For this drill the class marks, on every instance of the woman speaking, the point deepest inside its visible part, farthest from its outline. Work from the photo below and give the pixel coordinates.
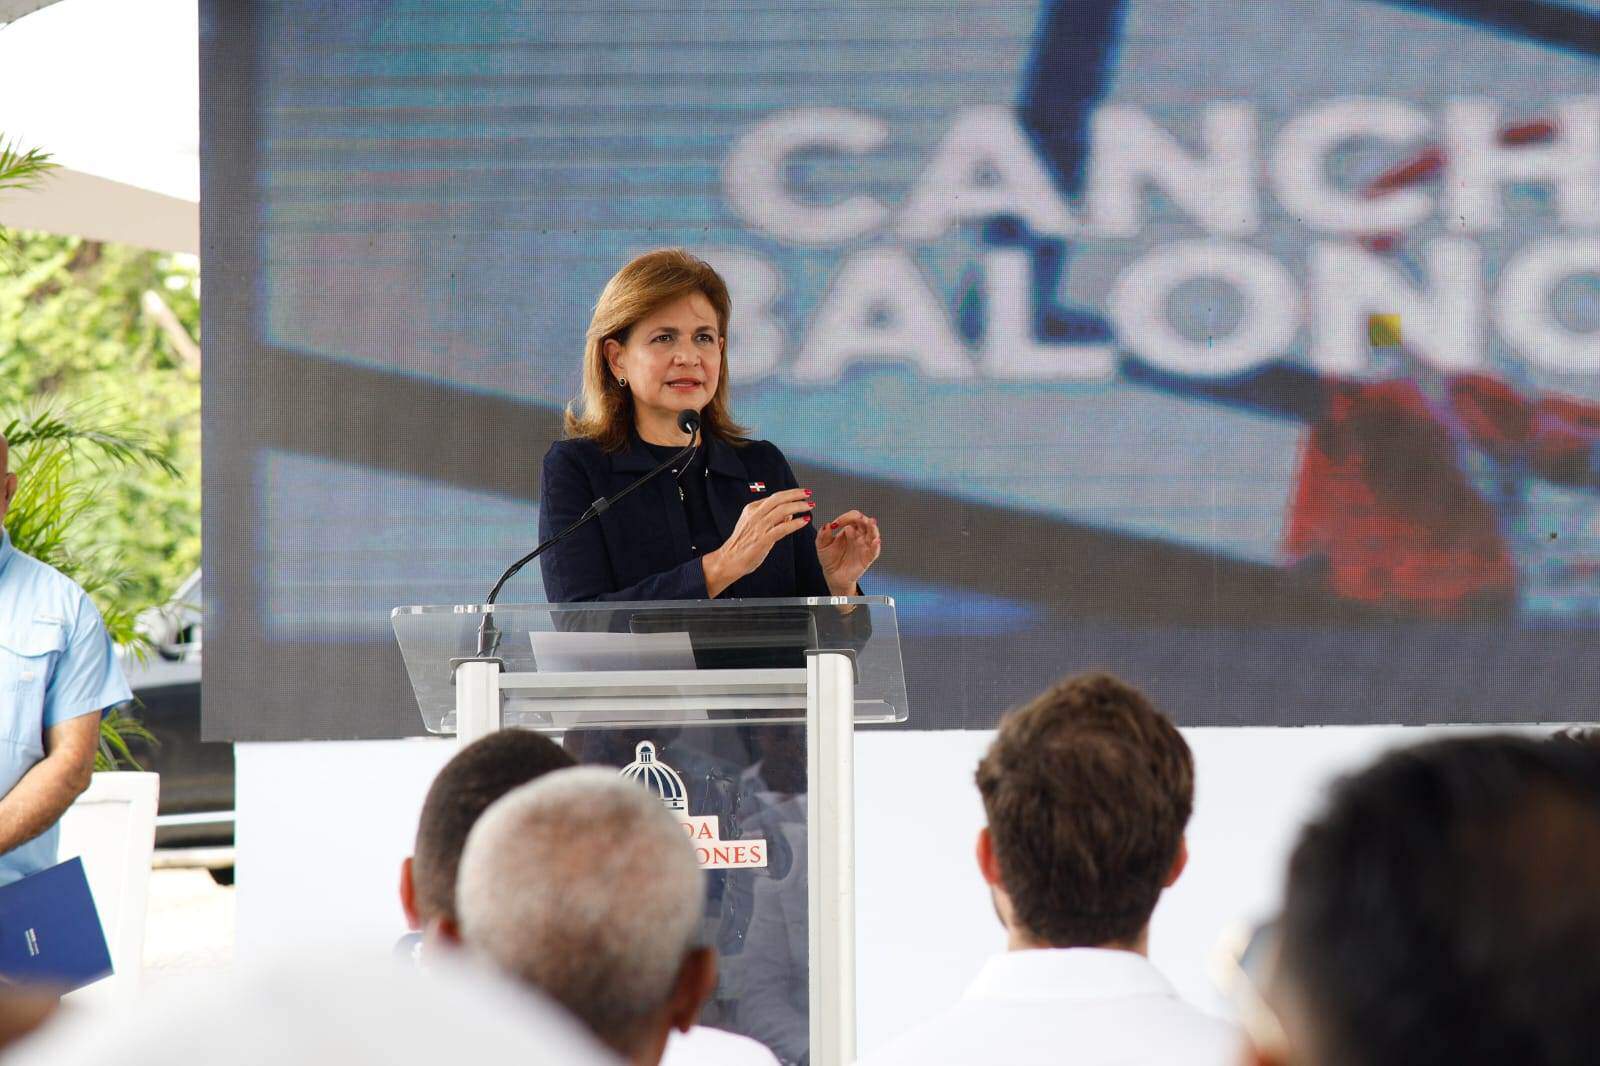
(730, 520)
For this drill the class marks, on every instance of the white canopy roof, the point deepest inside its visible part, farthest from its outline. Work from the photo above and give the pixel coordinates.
(111, 89)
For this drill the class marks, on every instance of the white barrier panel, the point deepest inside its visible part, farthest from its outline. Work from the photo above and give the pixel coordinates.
(113, 827)
(323, 827)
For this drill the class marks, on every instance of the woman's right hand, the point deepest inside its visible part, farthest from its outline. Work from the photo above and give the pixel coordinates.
(761, 525)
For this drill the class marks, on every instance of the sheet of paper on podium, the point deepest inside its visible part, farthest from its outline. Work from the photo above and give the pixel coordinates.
(562, 653)
(585, 652)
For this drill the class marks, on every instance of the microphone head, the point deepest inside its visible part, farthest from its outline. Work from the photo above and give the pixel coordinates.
(689, 422)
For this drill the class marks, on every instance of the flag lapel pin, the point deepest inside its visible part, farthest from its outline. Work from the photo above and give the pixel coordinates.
(758, 486)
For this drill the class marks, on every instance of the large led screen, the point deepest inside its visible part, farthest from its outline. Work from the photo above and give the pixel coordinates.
(1249, 350)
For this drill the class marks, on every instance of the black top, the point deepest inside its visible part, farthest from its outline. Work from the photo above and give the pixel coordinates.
(645, 547)
(691, 477)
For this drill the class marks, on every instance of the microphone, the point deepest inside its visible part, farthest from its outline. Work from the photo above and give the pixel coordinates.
(688, 422)
(488, 632)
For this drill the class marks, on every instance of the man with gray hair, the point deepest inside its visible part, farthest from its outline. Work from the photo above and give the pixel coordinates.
(583, 886)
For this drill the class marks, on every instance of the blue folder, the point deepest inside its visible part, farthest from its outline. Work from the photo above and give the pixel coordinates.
(50, 933)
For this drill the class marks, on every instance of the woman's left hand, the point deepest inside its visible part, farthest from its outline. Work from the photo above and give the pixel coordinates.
(847, 546)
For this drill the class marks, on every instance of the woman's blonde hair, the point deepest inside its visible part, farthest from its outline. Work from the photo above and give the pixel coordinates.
(604, 413)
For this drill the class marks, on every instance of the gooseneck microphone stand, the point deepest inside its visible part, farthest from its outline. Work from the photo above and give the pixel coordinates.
(488, 633)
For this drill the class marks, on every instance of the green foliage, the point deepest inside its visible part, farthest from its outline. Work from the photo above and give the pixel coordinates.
(102, 407)
(116, 728)
(20, 170)
(63, 458)
(76, 339)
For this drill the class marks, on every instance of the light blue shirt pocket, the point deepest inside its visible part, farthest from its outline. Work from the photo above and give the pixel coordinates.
(27, 659)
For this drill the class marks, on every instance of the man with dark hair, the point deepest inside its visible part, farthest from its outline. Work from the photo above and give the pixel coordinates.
(1088, 790)
(1582, 736)
(1444, 909)
(474, 778)
(477, 777)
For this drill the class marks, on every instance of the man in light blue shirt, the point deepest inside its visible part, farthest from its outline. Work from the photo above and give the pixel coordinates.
(58, 672)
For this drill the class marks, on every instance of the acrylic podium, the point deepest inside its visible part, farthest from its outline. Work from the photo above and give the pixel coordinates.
(740, 715)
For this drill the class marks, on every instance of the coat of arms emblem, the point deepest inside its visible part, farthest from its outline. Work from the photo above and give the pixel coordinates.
(711, 851)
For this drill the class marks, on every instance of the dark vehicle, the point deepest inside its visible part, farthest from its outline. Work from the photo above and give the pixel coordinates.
(196, 777)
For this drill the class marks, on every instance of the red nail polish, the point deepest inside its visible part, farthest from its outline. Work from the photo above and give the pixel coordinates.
(806, 491)
(808, 518)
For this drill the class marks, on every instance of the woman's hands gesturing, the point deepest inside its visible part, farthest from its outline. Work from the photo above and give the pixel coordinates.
(761, 525)
(846, 547)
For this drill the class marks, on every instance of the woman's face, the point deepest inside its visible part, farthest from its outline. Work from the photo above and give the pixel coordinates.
(672, 359)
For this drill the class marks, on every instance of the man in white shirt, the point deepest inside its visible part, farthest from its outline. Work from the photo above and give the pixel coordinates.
(336, 1009)
(1087, 789)
(473, 779)
(583, 887)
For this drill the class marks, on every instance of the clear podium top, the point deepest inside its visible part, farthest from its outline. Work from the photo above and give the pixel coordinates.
(609, 664)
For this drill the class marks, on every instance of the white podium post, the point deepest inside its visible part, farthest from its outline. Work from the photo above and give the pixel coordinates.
(477, 701)
(831, 856)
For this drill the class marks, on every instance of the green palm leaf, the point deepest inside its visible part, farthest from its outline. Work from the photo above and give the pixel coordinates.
(116, 728)
(19, 170)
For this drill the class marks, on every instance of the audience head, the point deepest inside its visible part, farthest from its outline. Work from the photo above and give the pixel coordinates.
(1087, 790)
(1445, 908)
(584, 887)
(23, 1011)
(342, 1010)
(475, 777)
(1583, 736)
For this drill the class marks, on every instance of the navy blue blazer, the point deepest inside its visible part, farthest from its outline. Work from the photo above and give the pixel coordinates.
(639, 548)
